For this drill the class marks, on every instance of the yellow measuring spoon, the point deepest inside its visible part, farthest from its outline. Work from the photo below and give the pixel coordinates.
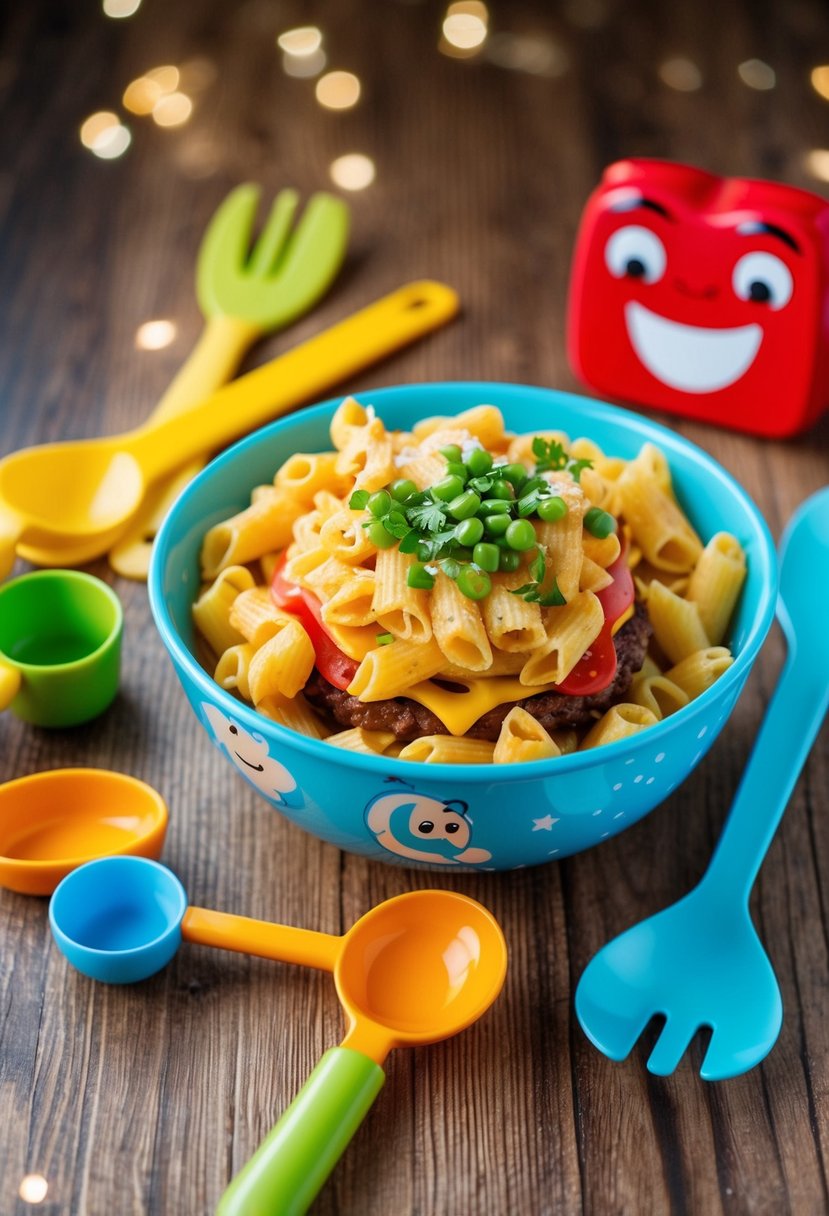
(76, 498)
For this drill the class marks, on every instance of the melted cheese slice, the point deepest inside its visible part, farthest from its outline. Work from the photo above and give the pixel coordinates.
(459, 710)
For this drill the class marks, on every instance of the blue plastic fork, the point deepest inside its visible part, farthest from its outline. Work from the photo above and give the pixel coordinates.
(700, 962)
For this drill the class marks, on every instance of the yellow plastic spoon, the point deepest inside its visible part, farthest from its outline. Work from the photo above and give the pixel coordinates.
(76, 498)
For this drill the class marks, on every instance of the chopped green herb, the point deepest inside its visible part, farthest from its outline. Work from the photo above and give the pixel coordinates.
(383, 639)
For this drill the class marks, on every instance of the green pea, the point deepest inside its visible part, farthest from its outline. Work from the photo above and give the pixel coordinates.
(496, 525)
(479, 462)
(496, 506)
(551, 509)
(520, 535)
(474, 584)
(456, 469)
(501, 488)
(419, 577)
(402, 489)
(508, 560)
(464, 505)
(379, 504)
(469, 531)
(452, 453)
(447, 488)
(599, 523)
(515, 474)
(379, 537)
(486, 556)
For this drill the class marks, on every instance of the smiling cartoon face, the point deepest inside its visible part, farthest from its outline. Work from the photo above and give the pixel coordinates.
(249, 752)
(422, 828)
(703, 295)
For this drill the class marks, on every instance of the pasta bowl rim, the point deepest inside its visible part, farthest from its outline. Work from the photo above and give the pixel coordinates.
(388, 766)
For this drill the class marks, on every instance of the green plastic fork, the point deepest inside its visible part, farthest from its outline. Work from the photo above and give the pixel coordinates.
(244, 293)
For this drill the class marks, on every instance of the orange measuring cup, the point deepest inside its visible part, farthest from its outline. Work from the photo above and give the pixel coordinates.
(415, 969)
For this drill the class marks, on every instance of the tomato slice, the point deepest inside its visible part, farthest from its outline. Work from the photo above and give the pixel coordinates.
(597, 666)
(330, 661)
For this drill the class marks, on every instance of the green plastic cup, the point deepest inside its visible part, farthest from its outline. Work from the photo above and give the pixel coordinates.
(60, 647)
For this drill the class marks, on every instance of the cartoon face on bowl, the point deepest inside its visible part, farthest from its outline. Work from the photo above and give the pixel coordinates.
(250, 753)
(422, 828)
(702, 295)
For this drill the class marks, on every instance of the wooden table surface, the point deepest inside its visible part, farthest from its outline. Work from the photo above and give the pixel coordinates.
(145, 1099)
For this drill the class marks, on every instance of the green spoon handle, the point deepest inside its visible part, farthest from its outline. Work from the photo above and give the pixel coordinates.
(791, 723)
(298, 1154)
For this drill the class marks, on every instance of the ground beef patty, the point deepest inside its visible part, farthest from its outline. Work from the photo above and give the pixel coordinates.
(410, 720)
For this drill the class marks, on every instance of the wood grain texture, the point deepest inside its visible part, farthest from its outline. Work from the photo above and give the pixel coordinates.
(146, 1099)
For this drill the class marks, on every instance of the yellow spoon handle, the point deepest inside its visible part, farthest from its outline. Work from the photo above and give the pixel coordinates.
(9, 684)
(213, 360)
(296, 376)
(284, 943)
(11, 529)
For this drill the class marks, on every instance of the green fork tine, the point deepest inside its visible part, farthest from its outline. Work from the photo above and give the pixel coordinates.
(245, 291)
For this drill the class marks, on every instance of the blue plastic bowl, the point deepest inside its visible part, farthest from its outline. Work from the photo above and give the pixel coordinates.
(516, 815)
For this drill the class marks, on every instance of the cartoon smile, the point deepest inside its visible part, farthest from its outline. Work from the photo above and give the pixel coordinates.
(257, 768)
(691, 358)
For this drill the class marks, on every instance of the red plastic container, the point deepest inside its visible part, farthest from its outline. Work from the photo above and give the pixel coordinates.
(705, 296)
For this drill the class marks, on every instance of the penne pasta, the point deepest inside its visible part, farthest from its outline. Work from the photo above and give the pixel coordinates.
(255, 615)
(699, 670)
(458, 627)
(367, 742)
(513, 624)
(233, 668)
(263, 526)
(402, 610)
(677, 627)
(570, 630)
(294, 713)
(619, 722)
(211, 611)
(523, 738)
(657, 693)
(389, 670)
(282, 665)
(657, 523)
(716, 582)
(445, 749)
(306, 473)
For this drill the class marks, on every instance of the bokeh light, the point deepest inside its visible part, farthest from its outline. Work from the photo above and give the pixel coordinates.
(143, 94)
(304, 66)
(820, 80)
(816, 163)
(338, 90)
(354, 171)
(538, 56)
(105, 135)
(172, 110)
(155, 335)
(680, 74)
(34, 1187)
(305, 40)
(120, 8)
(465, 28)
(757, 74)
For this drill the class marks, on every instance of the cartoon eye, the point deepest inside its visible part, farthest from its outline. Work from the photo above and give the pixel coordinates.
(426, 827)
(451, 828)
(763, 279)
(233, 730)
(636, 253)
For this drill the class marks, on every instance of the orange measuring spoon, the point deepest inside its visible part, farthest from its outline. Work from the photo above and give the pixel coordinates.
(415, 969)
